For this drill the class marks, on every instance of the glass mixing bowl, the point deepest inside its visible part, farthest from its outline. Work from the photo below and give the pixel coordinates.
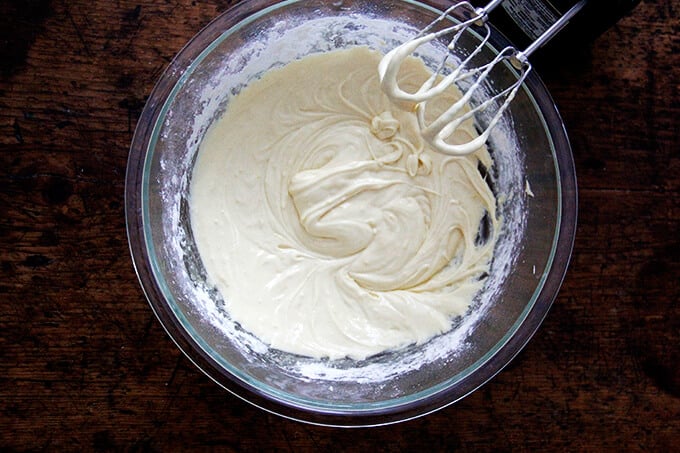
(533, 178)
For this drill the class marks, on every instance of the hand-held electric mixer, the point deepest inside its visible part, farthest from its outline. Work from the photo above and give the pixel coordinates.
(468, 69)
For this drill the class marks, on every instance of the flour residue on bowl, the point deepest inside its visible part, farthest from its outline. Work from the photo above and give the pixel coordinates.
(214, 96)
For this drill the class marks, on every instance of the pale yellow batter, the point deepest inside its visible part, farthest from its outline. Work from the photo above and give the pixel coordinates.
(326, 223)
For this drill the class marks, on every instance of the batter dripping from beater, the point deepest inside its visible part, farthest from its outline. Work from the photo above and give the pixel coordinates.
(440, 130)
(326, 222)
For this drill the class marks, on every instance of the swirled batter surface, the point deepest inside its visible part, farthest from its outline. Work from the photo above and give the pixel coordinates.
(326, 223)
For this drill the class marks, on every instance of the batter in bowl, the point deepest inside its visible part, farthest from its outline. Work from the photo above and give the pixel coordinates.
(324, 220)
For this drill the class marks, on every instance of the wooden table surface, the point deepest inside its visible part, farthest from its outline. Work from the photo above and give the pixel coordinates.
(85, 365)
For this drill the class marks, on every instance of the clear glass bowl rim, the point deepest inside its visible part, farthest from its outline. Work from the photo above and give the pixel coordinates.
(492, 363)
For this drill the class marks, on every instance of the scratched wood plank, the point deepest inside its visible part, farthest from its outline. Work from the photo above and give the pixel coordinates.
(84, 365)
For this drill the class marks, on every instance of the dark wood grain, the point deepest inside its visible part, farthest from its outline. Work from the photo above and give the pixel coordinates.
(84, 365)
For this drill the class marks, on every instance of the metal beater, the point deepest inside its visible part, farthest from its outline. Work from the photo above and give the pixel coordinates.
(444, 126)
